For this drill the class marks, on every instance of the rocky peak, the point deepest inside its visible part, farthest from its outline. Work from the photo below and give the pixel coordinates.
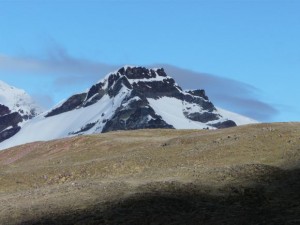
(147, 82)
(141, 72)
(133, 87)
(17, 100)
(152, 83)
(16, 106)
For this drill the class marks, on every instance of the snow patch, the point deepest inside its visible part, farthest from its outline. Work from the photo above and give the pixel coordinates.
(171, 110)
(158, 78)
(237, 118)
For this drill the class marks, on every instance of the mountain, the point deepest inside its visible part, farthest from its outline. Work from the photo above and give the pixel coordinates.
(16, 107)
(127, 99)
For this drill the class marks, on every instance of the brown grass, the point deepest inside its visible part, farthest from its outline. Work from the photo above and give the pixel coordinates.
(92, 175)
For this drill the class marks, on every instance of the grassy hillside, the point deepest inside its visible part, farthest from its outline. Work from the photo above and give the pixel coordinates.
(243, 175)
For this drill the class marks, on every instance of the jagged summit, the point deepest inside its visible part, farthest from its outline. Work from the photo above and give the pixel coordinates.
(140, 87)
(129, 98)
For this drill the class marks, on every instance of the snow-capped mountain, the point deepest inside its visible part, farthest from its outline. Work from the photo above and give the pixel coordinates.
(130, 98)
(16, 107)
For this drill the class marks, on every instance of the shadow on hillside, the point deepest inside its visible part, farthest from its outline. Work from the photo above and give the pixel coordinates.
(274, 202)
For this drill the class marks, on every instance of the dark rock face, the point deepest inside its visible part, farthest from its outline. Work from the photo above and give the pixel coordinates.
(94, 94)
(9, 133)
(94, 90)
(225, 124)
(10, 120)
(4, 110)
(199, 93)
(9, 125)
(137, 115)
(138, 73)
(156, 89)
(202, 117)
(72, 103)
(117, 86)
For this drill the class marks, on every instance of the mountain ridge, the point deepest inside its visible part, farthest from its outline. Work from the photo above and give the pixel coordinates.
(129, 98)
(144, 83)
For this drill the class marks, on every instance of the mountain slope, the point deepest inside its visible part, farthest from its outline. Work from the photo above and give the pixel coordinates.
(237, 118)
(16, 106)
(127, 99)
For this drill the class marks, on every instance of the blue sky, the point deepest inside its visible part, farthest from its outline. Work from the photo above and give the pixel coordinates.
(249, 48)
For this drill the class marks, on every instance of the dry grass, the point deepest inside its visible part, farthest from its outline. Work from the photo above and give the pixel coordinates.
(99, 176)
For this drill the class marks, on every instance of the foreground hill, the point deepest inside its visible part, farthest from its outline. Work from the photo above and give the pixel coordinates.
(241, 175)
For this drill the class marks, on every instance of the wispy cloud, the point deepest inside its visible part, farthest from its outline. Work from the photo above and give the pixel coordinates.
(56, 62)
(224, 92)
(43, 100)
(66, 71)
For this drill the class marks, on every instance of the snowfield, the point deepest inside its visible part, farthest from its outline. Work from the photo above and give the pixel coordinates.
(171, 110)
(43, 128)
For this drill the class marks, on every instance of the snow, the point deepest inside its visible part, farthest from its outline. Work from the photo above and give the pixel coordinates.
(7, 128)
(237, 118)
(17, 100)
(171, 110)
(157, 78)
(43, 128)
(136, 98)
(192, 108)
(91, 98)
